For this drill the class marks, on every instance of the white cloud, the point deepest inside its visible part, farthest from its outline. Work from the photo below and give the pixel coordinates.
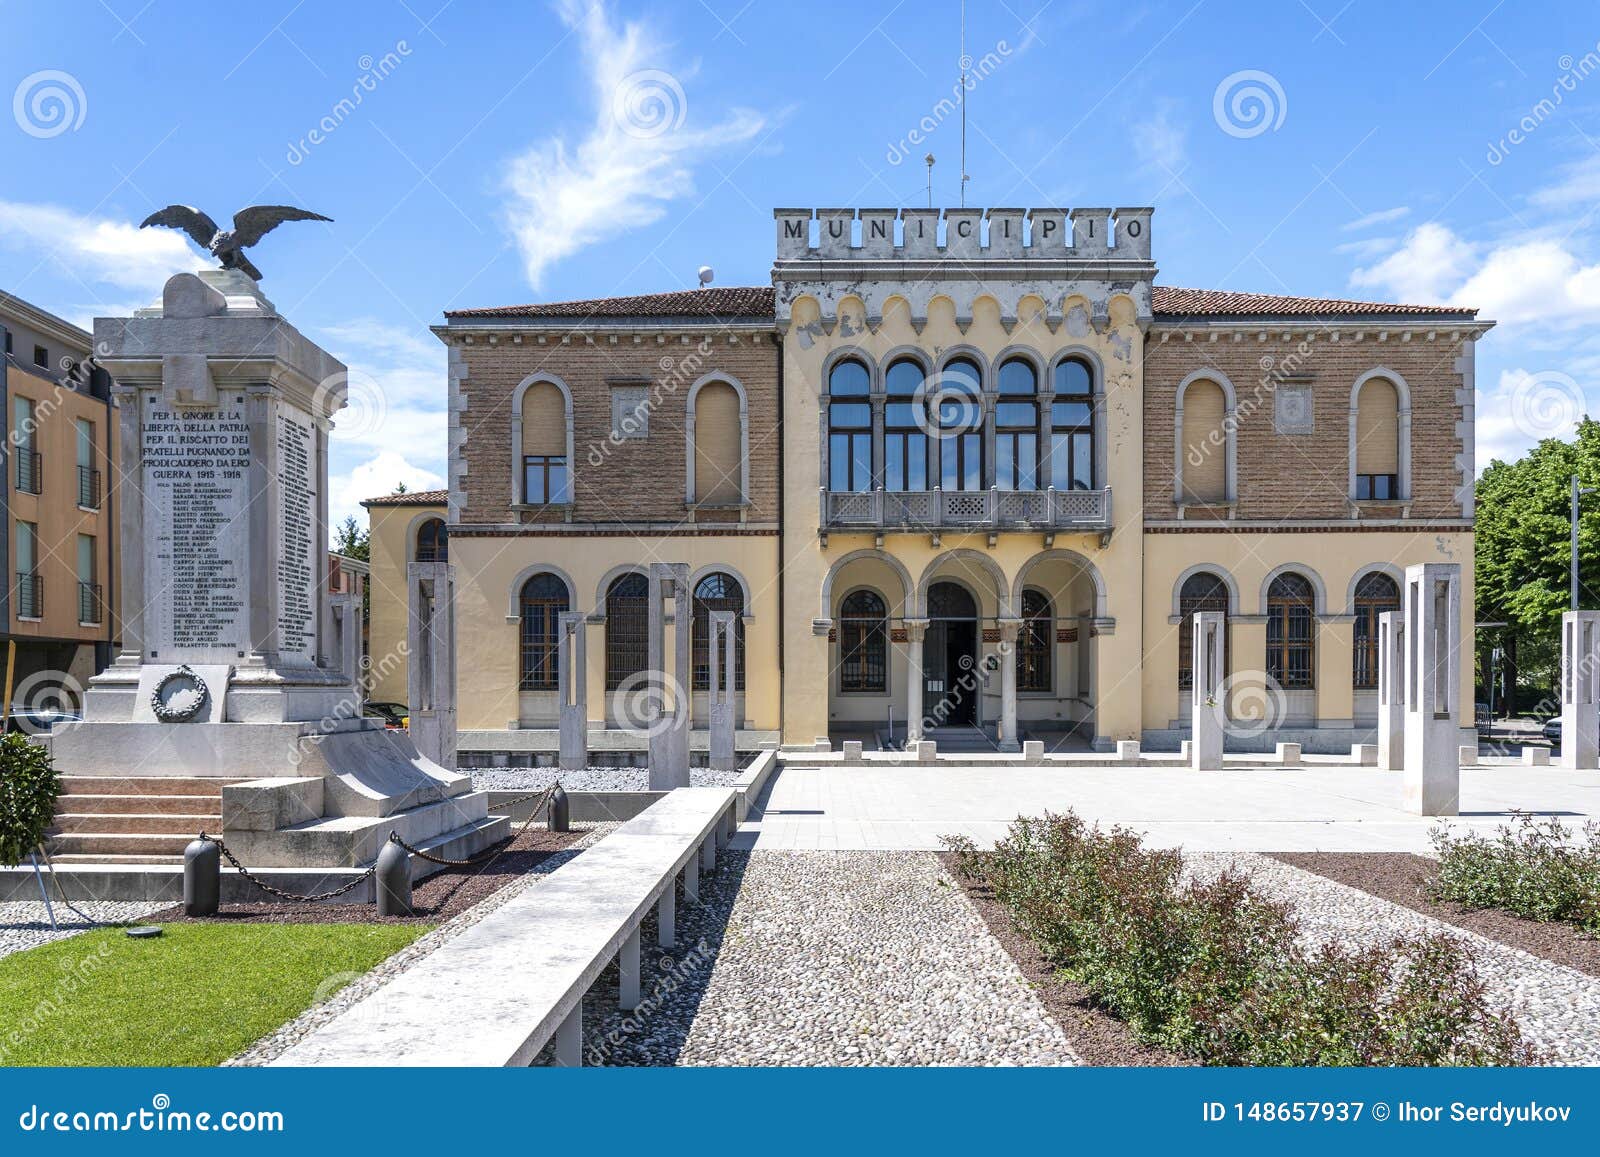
(94, 249)
(1367, 247)
(1579, 187)
(373, 478)
(1427, 266)
(1381, 217)
(1162, 146)
(637, 156)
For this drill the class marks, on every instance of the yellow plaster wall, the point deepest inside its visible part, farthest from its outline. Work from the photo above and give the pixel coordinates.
(391, 540)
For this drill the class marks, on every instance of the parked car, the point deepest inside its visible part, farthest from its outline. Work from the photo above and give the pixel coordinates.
(39, 720)
(1552, 729)
(395, 716)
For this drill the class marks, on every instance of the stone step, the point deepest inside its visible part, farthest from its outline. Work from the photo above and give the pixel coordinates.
(143, 785)
(145, 805)
(100, 845)
(76, 858)
(113, 823)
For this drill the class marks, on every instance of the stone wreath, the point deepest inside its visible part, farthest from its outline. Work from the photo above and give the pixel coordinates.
(186, 702)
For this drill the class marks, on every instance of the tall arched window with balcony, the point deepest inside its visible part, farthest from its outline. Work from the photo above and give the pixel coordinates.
(1016, 420)
(1072, 419)
(905, 428)
(1377, 448)
(849, 428)
(958, 406)
(433, 541)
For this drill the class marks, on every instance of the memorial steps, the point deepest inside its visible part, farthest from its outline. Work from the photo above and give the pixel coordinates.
(132, 820)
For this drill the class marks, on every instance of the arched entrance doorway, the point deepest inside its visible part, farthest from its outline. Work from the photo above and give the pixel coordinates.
(951, 683)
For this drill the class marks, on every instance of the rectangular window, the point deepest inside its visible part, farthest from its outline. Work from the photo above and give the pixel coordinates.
(23, 434)
(30, 592)
(1017, 446)
(88, 476)
(41, 357)
(1377, 487)
(88, 588)
(849, 447)
(905, 447)
(1072, 446)
(544, 479)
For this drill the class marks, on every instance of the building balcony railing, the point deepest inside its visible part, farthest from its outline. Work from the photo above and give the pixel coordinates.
(90, 612)
(992, 509)
(30, 595)
(88, 488)
(30, 472)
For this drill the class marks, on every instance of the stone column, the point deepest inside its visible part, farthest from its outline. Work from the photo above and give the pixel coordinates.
(346, 614)
(722, 633)
(1009, 739)
(668, 726)
(1580, 706)
(572, 681)
(916, 631)
(431, 660)
(1391, 691)
(1432, 603)
(1208, 710)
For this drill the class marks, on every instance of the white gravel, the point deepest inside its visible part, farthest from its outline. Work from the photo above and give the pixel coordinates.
(25, 924)
(268, 1048)
(1557, 1007)
(589, 779)
(826, 958)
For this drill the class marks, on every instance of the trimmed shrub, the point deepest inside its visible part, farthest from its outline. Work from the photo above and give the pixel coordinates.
(1215, 970)
(29, 786)
(1530, 869)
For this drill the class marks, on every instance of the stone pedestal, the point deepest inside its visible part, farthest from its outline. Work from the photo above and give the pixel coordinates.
(229, 668)
(721, 634)
(572, 682)
(1391, 691)
(1207, 709)
(1432, 603)
(668, 725)
(1580, 704)
(431, 660)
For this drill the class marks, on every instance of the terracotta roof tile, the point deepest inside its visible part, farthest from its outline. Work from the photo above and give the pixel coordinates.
(730, 301)
(1170, 301)
(411, 498)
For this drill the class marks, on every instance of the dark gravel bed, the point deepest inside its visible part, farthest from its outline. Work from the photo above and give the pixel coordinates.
(439, 897)
(1098, 1037)
(1405, 879)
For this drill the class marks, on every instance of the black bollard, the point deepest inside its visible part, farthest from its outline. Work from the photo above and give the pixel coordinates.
(560, 817)
(392, 881)
(202, 878)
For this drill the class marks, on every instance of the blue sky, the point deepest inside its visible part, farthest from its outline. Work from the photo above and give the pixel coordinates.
(503, 153)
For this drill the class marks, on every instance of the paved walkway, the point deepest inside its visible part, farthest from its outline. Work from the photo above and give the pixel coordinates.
(1251, 809)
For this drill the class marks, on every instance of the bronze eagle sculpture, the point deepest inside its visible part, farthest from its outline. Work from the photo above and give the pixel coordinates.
(228, 245)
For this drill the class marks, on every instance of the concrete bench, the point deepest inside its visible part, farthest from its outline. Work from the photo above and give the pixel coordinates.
(495, 994)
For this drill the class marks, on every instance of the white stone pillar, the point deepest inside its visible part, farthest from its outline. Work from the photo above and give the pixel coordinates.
(1391, 691)
(1009, 740)
(722, 634)
(916, 631)
(1432, 604)
(669, 725)
(1580, 705)
(572, 683)
(1207, 708)
(431, 660)
(345, 611)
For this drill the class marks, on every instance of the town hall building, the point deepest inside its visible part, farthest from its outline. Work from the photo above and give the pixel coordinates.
(961, 474)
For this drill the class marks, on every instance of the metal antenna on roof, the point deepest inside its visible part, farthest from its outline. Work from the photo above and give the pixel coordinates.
(929, 160)
(962, 64)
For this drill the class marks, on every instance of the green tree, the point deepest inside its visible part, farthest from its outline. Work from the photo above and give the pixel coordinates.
(352, 540)
(1523, 549)
(29, 786)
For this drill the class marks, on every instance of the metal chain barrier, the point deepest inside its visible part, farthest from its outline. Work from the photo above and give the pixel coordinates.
(279, 892)
(489, 853)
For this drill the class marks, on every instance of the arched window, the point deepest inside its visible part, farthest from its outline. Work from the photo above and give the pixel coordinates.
(863, 643)
(545, 478)
(905, 428)
(627, 628)
(433, 541)
(1072, 418)
(1375, 593)
(1016, 420)
(948, 600)
(1377, 448)
(716, 592)
(1205, 443)
(959, 404)
(544, 597)
(1291, 627)
(1202, 591)
(718, 444)
(849, 428)
(1036, 643)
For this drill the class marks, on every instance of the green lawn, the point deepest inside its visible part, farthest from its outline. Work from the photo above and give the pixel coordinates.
(195, 995)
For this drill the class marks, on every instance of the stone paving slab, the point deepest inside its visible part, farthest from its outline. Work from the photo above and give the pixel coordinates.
(1263, 809)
